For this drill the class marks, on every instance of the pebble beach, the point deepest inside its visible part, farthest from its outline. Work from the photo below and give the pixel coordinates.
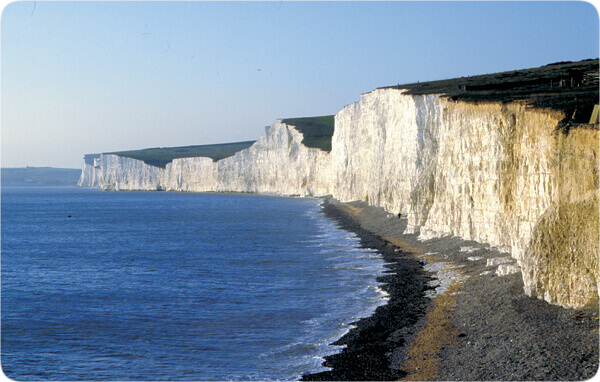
(457, 311)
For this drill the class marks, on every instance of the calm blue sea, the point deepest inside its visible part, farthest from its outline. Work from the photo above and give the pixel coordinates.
(175, 286)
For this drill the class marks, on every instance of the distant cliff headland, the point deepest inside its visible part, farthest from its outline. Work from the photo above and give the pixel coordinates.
(509, 159)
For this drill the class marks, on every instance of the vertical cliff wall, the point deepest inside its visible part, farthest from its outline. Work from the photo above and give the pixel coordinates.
(493, 176)
(277, 163)
(384, 150)
(560, 261)
(498, 173)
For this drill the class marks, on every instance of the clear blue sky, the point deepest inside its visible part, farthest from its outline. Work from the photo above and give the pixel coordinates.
(88, 77)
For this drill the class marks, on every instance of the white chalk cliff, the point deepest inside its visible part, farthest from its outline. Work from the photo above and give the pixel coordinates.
(497, 173)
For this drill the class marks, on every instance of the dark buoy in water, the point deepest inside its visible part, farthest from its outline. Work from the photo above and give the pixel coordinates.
(69, 216)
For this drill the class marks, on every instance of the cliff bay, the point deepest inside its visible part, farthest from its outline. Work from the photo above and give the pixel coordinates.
(488, 184)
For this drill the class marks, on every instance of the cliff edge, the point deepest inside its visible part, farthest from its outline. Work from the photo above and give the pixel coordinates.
(519, 174)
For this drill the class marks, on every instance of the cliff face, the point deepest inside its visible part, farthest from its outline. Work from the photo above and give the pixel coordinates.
(491, 172)
(277, 163)
(384, 151)
(560, 261)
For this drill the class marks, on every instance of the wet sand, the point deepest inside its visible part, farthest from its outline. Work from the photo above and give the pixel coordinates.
(456, 312)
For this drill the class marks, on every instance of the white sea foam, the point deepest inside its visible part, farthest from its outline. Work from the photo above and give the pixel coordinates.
(383, 294)
(356, 269)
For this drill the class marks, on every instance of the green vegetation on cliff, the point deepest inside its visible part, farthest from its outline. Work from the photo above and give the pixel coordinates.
(317, 131)
(571, 87)
(161, 156)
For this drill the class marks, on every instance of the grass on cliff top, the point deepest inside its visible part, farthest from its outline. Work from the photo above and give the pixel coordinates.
(161, 156)
(571, 87)
(316, 131)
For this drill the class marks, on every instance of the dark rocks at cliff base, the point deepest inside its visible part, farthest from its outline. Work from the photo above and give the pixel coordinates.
(373, 348)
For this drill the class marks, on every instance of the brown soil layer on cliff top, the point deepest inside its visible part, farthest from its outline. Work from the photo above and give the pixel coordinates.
(571, 87)
(478, 326)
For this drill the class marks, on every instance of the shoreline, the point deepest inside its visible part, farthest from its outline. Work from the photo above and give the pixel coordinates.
(457, 311)
(369, 343)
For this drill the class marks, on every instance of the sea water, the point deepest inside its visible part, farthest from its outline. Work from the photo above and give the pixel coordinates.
(175, 286)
